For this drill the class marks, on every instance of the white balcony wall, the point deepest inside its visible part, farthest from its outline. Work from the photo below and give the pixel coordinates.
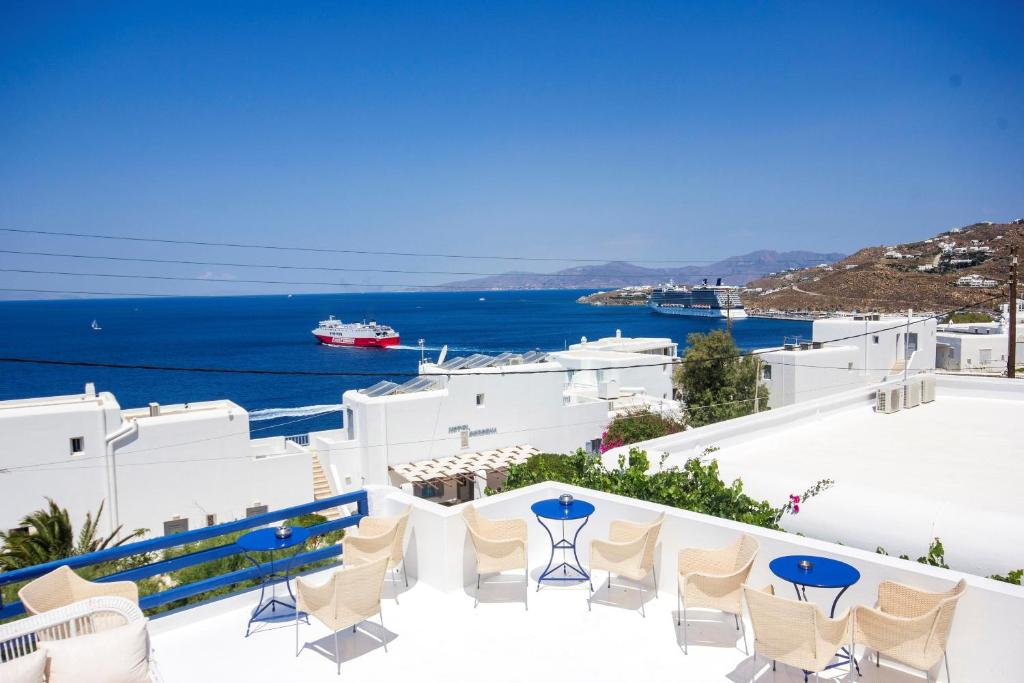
(988, 621)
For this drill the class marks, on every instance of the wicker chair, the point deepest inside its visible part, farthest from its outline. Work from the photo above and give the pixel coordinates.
(348, 598)
(909, 625)
(371, 542)
(714, 579)
(63, 586)
(628, 553)
(500, 546)
(794, 632)
(21, 637)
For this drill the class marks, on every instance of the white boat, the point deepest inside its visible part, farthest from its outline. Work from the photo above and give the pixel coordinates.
(333, 332)
(702, 301)
(95, 326)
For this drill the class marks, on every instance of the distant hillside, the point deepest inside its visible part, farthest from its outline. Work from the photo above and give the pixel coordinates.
(922, 275)
(734, 270)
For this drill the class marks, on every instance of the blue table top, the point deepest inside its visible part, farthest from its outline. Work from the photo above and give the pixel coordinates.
(264, 539)
(824, 572)
(552, 509)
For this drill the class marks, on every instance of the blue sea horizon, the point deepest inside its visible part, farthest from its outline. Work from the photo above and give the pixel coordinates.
(273, 332)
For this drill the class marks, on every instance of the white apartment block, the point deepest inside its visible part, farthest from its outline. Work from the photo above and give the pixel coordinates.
(173, 468)
(553, 402)
(845, 353)
(161, 468)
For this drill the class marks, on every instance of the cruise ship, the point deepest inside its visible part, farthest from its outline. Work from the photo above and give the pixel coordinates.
(333, 332)
(702, 301)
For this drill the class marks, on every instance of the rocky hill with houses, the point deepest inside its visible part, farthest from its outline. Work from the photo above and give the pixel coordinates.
(962, 267)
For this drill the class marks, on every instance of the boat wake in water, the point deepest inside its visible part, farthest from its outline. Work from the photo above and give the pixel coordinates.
(299, 411)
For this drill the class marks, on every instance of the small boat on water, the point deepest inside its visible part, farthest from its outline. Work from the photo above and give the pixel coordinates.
(333, 332)
(95, 326)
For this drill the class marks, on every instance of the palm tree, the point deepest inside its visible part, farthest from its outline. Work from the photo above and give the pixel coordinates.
(51, 538)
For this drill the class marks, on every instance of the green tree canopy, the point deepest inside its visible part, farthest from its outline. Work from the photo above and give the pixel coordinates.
(718, 383)
(697, 486)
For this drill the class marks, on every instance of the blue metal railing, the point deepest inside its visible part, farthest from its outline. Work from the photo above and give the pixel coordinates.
(165, 565)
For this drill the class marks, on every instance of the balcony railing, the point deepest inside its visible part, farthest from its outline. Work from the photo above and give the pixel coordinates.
(300, 439)
(227, 549)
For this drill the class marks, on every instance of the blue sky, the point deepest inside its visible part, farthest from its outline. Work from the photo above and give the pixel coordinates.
(619, 130)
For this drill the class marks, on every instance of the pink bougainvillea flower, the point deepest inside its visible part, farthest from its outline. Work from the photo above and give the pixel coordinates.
(796, 508)
(794, 499)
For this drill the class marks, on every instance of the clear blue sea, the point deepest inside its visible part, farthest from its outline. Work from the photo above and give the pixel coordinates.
(273, 332)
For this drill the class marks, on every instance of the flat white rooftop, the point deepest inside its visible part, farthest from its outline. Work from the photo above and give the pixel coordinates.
(946, 469)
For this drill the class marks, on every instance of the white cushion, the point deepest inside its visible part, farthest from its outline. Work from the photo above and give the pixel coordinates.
(26, 669)
(119, 655)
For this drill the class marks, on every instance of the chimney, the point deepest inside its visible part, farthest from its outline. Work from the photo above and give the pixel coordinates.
(154, 409)
(90, 389)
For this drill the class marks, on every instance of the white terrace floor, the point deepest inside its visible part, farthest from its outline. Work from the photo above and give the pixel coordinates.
(434, 636)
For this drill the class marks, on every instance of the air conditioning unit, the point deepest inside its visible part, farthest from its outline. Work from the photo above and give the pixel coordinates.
(912, 395)
(889, 400)
(608, 390)
(927, 389)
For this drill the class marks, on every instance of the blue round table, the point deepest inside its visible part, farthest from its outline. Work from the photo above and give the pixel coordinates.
(266, 541)
(823, 573)
(553, 511)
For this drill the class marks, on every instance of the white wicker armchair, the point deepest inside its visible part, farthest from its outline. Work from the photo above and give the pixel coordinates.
(500, 545)
(349, 597)
(794, 632)
(20, 638)
(63, 586)
(909, 625)
(713, 579)
(371, 542)
(629, 553)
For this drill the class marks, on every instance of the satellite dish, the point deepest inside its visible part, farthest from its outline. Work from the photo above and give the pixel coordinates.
(441, 356)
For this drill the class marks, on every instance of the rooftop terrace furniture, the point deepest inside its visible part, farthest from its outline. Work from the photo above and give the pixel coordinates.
(628, 553)
(909, 625)
(500, 545)
(371, 542)
(267, 541)
(63, 586)
(553, 509)
(105, 650)
(714, 579)
(794, 632)
(349, 597)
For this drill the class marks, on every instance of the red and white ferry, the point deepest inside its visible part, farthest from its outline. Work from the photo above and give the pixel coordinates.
(333, 332)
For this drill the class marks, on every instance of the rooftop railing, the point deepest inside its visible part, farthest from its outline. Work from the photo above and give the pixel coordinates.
(227, 549)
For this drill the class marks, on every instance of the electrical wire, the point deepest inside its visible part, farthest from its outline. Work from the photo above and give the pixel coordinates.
(63, 465)
(489, 371)
(325, 250)
(278, 266)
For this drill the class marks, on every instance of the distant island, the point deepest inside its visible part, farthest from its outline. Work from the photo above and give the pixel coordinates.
(616, 274)
(962, 267)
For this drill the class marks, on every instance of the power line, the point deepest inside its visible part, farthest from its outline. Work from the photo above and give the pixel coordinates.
(325, 250)
(280, 266)
(81, 291)
(352, 373)
(59, 465)
(228, 280)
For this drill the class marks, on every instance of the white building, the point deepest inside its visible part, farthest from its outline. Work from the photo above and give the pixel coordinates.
(845, 353)
(975, 281)
(198, 466)
(462, 407)
(162, 468)
(978, 347)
